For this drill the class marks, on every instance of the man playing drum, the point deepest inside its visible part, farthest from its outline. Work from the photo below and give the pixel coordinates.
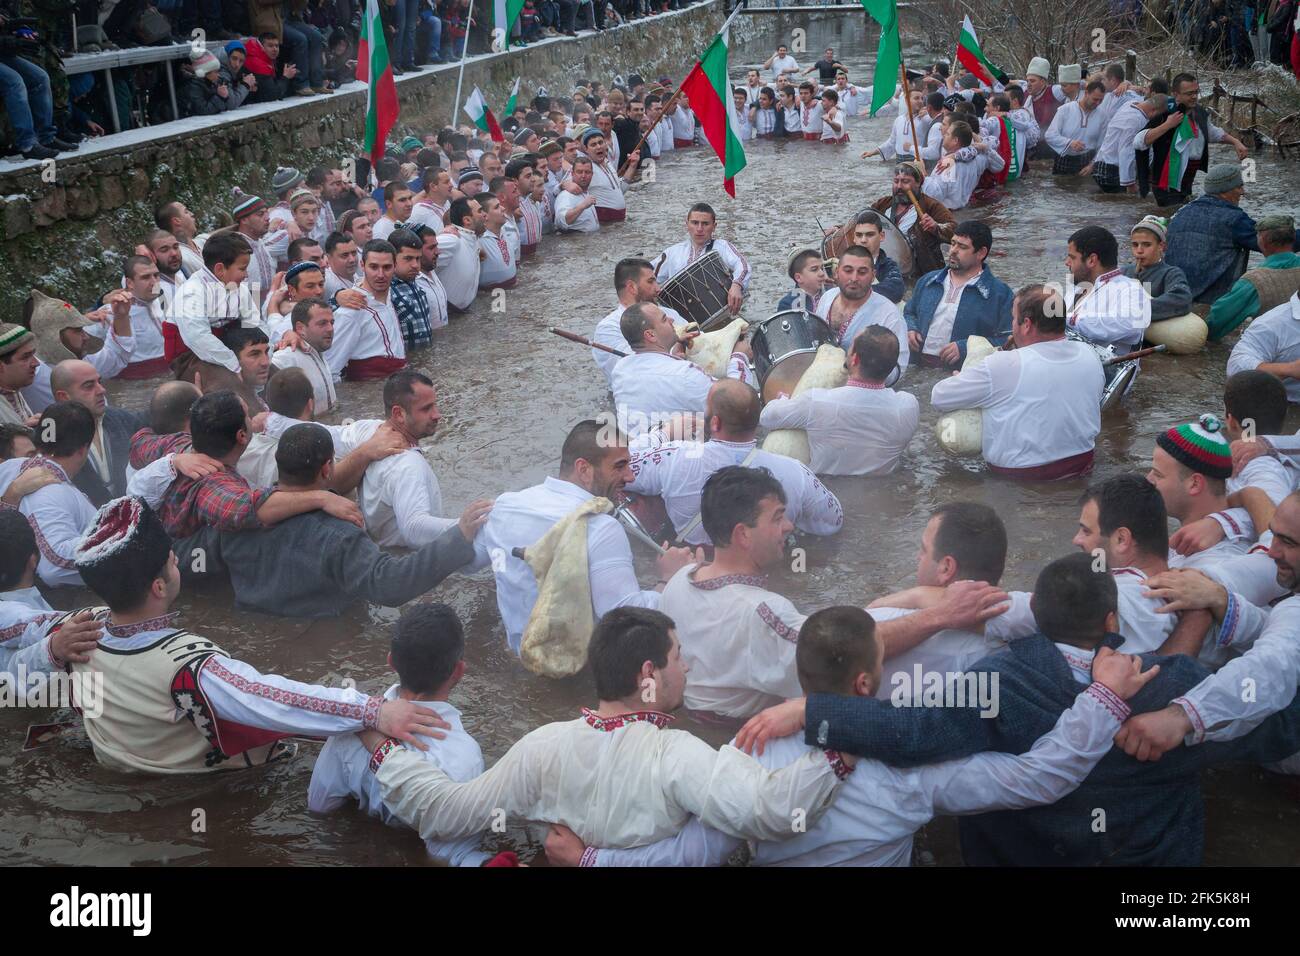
(851, 306)
(926, 229)
(701, 221)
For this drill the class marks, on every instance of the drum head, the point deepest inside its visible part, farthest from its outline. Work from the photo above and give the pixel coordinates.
(785, 375)
(899, 248)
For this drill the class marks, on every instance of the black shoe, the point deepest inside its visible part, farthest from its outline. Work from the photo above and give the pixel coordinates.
(40, 152)
(397, 71)
(62, 145)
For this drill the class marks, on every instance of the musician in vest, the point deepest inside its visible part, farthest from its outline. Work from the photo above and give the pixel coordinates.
(950, 305)
(655, 382)
(174, 702)
(1045, 99)
(1041, 401)
(1103, 305)
(1266, 286)
(925, 221)
(1175, 156)
(701, 223)
(606, 184)
(1212, 237)
(852, 306)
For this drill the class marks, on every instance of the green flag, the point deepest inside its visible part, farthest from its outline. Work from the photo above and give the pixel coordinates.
(889, 54)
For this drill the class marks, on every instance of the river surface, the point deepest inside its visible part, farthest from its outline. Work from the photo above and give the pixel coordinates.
(509, 392)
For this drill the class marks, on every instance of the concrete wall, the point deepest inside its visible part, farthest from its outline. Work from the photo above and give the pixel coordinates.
(68, 237)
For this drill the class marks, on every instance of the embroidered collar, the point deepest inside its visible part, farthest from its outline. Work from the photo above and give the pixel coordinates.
(140, 627)
(858, 383)
(713, 584)
(40, 461)
(608, 724)
(1077, 657)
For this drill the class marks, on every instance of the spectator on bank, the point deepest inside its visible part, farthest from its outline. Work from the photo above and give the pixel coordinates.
(340, 60)
(28, 98)
(433, 26)
(305, 46)
(263, 62)
(235, 75)
(455, 23)
(199, 90)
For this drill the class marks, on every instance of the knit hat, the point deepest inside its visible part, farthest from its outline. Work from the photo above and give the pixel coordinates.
(246, 205)
(1200, 446)
(590, 132)
(49, 317)
(285, 178)
(1271, 223)
(234, 45)
(524, 135)
(410, 143)
(13, 337)
(1039, 67)
(468, 175)
(1155, 224)
(549, 147)
(1222, 178)
(126, 532)
(301, 196)
(1069, 73)
(204, 63)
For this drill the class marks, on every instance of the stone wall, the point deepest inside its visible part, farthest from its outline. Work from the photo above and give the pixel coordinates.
(69, 237)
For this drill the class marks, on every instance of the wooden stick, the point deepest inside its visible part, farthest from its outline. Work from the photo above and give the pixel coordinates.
(915, 205)
(907, 98)
(583, 340)
(1135, 355)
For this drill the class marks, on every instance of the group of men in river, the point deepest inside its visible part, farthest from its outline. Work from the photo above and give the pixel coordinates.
(1111, 684)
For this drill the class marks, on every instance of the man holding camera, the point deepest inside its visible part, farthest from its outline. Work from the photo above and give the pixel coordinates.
(1174, 159)
(25, 88)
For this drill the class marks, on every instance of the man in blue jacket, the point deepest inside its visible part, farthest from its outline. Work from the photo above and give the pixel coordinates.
(1212, 237)
(965, 299)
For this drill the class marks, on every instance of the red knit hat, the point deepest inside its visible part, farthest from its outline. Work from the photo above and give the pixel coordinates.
(1200, 446)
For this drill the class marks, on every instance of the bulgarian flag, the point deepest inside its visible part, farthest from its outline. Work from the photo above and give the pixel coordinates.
(1009, 150)
(1171, 175)
(972, 57)
(514, 97)
(710, 96)
(374, 69)
(504, 15)
(889, 54)
(481, 114)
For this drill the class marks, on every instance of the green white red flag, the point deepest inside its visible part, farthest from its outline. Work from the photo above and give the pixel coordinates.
(481, 114)
(972, 57)
(514, 98)
(709, 92)
(374, 69)
(1171, 176)
(504, 15)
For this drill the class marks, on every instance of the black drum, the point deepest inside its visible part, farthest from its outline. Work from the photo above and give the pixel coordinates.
(784, 346)
(699, 292)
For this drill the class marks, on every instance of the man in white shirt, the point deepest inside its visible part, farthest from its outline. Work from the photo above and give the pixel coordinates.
(677, 471)
(591, 466)
(683, 120)
(701, 223)
(141, 282)
(860, 428)
(459, 254)
(1041, 401)
(575, 207)
(852, 306)
(431, 208)
(810, 111)
(1103, 305)
(500, 262)
(1115, 168)
(398, 201)
(427, 653)
(634, 281)
(1271, 343)
(606, 184)
(781, 63)
(313, 320)
(655, 382)
(340, 263)
(965, 160)
(899, 145)
(368, 342)
(1076, 131)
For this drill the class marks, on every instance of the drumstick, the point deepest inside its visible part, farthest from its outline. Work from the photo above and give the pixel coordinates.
(1114, 360)
(583, 340)
(915, 205)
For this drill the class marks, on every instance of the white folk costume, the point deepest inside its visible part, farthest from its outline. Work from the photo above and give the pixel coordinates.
(191, 260)
(342, 774)
(608, 188)
(59, 515)
(932, 150)
(649, 387)
(1272, 337)
(399, 495)
(204, 310)
(148, 357)
(856, 429)
(109, 361)
(899, 144)
(435, 293)
(316, 369)
(879, 809)
(1117, 143)
(1041, 404)
(519, 519)
(738, 639)
(677, 257)
(458, 266)
(24, 642)
(793, 119)
(585, 221)
(609, 332)
(500, 264)
(268, 252)
(1116, 310)
(334, 284)
(615, 781)
(953, 186)
(1026, 127)
(683, 120)
(810, 119)
(677, 471)
(764, 121)
(530, 225)
(428, 213)
(829, 133)
(1072, 122)
(368, 341)
(874, 310)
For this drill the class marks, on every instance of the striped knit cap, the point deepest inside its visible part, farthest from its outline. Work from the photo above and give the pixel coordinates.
(13, 336)
(1200, 446)
(247, 205)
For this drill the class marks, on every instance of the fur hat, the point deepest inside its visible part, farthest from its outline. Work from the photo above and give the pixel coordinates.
(125, 532)
(1040, 68)
(1069, 73)
(49, 317)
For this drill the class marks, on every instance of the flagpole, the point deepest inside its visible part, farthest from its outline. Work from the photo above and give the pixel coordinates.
(911, 118)
(460, 76)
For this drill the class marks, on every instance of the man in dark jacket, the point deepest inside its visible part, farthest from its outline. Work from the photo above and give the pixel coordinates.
(316, 565)
(1169, 168)
(1212, 237)
(1125, 813)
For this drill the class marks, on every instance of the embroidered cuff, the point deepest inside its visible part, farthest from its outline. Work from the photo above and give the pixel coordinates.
(381, 754)
(6, 506)
(1231, 529)
(1198, 725)
(842, 770)
(1108, 699)
(1228, 626)
(370, 715)
(589, 857)
(55, 663)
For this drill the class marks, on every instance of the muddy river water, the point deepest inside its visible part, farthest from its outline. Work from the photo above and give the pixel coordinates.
(509, 392)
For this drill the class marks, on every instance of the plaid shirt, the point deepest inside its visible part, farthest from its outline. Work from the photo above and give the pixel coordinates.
(223, 501)
(412, 308)
(147, 446)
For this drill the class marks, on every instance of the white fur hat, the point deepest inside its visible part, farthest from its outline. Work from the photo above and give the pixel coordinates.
(1069, 73)
(1039, 67)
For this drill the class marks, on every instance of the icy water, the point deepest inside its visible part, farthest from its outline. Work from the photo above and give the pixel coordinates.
(509, 392)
